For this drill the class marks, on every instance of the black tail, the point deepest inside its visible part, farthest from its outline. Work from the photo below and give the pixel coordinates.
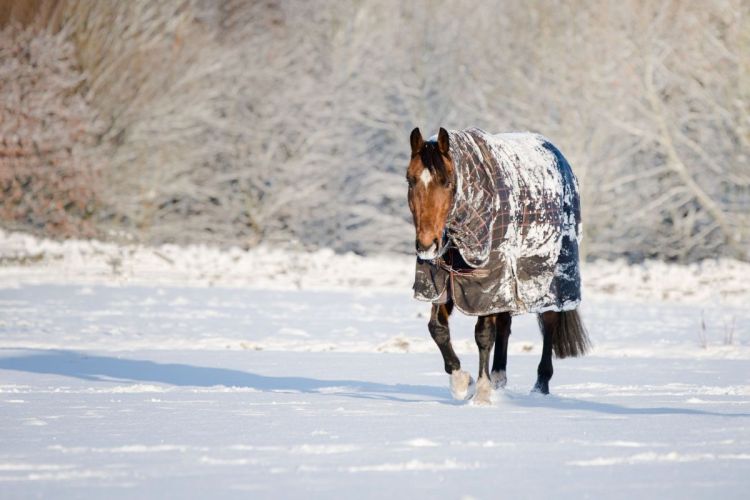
(569, 338)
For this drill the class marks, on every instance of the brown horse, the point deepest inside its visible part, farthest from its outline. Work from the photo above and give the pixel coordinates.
(437, 200)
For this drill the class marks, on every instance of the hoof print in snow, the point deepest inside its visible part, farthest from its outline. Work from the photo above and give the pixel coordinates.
(498, 379)
(462, 385)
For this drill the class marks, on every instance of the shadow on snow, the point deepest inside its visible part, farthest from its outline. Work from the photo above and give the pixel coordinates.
(109, 369)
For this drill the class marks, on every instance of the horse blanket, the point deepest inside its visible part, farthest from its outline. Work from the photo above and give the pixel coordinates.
(512, 233)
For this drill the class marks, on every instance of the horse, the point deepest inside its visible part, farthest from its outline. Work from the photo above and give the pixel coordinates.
(497, 222)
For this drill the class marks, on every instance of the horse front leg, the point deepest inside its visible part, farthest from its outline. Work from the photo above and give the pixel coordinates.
(461, 383)
(484, 334)
(498, 375)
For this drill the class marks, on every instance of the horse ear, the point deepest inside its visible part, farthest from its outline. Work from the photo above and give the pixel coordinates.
(416, 140)
(443, 141)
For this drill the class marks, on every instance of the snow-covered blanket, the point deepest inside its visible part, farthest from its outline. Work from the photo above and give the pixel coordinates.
(513, 230)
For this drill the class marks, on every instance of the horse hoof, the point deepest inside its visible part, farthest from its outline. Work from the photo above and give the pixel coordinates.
(462, 385)
(498, 379)
(541, 388)
(484, 392)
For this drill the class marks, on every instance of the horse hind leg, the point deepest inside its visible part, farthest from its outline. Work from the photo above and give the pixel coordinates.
(498, 375)
(565, 334)
(484, 334)
(461, 383)
(548, 323)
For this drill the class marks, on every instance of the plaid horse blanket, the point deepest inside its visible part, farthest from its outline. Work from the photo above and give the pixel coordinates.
(512, 232)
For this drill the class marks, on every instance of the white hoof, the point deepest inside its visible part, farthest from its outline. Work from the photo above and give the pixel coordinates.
(484, 392)
(462, 385)
(498, 379)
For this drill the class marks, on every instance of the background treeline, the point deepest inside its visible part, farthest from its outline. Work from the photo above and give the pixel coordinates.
(287, 122)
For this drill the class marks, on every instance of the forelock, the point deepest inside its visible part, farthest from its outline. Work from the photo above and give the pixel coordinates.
(432, 159)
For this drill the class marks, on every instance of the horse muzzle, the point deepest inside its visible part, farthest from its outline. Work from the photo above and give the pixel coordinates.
(435, 250)
(428, 253)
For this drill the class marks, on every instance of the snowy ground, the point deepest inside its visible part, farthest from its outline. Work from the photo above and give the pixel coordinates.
(130, 372)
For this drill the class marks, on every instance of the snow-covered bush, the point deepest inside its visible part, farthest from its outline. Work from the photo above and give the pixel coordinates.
(48, 179)
(244, 122)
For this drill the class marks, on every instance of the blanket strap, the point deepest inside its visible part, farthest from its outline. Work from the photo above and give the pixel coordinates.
(477, 273)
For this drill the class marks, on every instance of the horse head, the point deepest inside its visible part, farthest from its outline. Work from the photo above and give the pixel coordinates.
(431, 188)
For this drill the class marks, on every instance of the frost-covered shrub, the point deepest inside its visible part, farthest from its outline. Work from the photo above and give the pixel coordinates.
(48, 181)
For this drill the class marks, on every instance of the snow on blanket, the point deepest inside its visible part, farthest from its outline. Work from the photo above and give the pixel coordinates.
(513, 229)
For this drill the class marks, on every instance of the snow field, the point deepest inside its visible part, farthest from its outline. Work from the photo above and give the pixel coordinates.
(209, 376)
(287, 425)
